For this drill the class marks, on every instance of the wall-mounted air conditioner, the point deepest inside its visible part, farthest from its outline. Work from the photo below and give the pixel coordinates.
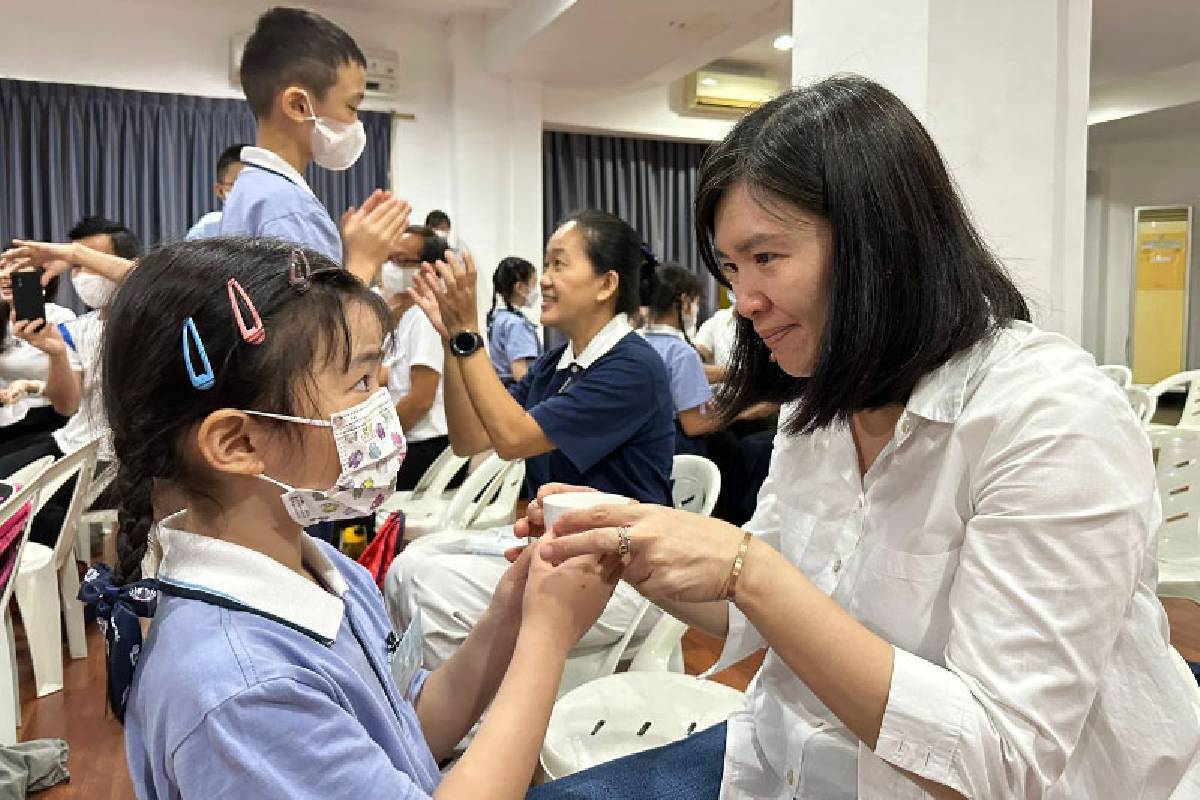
(725, 89)
(383, 70)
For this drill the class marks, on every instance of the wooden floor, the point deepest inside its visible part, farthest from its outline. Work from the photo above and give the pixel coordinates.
(97, 761)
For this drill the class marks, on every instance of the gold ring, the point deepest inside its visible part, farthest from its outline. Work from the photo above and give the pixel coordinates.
(623, 541)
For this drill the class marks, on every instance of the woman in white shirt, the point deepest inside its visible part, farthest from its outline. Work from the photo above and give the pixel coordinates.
(25, 411)
(952, 562)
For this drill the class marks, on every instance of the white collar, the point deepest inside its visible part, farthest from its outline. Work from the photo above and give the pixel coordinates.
(662, 330)
(605, 339)
(268, 160)
(255, 581)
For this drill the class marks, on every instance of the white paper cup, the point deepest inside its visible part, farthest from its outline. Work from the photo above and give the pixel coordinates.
(555, 505)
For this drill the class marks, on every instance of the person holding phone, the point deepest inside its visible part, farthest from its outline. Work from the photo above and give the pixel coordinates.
(25, 411)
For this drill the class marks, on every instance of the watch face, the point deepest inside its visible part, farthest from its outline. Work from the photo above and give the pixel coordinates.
(465, 343)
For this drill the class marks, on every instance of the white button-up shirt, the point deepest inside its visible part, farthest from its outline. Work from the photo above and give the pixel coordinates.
(1004, 543)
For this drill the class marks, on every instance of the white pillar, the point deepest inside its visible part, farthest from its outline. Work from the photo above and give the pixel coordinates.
(496, 168)
(1003, 89)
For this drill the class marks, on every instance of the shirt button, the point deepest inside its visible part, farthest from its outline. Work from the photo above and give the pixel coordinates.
(905, 426)
(837, 568)
(791, 777)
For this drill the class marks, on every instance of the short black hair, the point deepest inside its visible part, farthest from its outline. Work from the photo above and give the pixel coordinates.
(292, 46)
(436, 219)
(911, 281)
(125, 243)
(433, 246)
(673, 283)
(612, 244)
(229, 156)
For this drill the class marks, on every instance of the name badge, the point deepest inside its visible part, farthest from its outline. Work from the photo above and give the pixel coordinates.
(404, 654)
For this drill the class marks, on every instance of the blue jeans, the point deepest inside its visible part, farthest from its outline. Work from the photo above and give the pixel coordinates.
(690, 768)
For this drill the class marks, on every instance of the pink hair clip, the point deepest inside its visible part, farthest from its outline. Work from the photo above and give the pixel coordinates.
(254, 334)
(299, 271)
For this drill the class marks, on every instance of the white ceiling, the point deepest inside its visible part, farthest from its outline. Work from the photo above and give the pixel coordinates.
(427, 8)
(1135, 37)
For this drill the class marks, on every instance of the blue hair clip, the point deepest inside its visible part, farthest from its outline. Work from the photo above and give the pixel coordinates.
(203, 380)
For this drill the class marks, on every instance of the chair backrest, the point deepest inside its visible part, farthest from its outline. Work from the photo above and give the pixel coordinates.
(17, 510)
(439, 474)
(1120, 374)
(81, 465)
(30, 471)
(100, 481)
(475, 491)
(1190, 418)
(655, 653)
(695, 484)
(1144, 404)
(1178, 476)
(501, 508)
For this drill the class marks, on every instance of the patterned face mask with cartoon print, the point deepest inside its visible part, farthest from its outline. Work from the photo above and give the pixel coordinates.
(371, 448)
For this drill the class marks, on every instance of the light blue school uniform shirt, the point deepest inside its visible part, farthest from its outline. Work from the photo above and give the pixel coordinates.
(685, 369)
(256, 683)
(270, 198)
(206, 226)
(511, 337)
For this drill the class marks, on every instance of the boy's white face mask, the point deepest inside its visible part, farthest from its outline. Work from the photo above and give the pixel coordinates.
(335, 145)
(371, 448)
(396, 279)
(94, 290)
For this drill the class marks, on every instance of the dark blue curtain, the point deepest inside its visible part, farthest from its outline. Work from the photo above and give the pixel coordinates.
(143, 158)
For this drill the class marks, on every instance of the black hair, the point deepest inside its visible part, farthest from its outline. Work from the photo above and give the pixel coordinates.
(613, 245)
(433, 246)
(648, 278)
(509, 272)
(229, 156)
(672, 285)
(436, 219)
(125, 243)
(293, 47)
(911, 281)
(150, 401)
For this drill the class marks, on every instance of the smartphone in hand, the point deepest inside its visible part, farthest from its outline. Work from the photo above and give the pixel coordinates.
(28, 297)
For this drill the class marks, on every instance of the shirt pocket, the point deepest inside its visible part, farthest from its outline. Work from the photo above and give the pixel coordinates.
(903, 597)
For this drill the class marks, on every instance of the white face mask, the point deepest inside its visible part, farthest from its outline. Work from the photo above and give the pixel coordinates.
(335, 145)
(396, 279)
(94, 290)
(371, 448)
(532, 299)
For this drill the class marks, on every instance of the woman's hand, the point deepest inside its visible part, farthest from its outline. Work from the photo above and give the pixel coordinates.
(673, 555)
(19, 389)
(40, 334)
(54, 258)
(563, 601)
(449, 284)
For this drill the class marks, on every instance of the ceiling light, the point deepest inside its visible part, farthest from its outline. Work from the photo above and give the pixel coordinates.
(708, 81)
(783, 41)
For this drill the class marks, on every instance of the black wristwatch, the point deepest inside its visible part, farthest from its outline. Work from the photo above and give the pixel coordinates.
(465, 343)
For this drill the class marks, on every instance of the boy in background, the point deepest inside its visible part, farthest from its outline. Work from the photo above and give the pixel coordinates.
(304, 78)
(229, 164)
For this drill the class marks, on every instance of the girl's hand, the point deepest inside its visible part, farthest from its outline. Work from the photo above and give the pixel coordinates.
(19, 389)
(508, 598)
(40, 334)
(54, 258)
(456, 294)
(673, 555)
(563, 601)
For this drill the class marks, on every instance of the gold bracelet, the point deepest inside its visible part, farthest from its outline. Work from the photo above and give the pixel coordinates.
(737, 566)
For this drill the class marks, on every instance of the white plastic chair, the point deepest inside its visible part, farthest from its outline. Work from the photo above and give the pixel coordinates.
(100, 518)
(476, 491)
(502, 510)
(1190, 418)
(1119, 373)
(30, 480)
(620, 715)
(47, 580)
(430, 489)
(1178, 477)
(695, 484)
(1143, 403)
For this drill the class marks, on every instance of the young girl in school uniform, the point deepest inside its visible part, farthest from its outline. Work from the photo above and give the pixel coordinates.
(240, 375)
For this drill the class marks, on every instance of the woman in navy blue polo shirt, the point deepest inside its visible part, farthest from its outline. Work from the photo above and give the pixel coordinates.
(596, 412)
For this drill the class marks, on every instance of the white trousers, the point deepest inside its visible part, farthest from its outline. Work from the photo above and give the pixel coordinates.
(453, 588)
